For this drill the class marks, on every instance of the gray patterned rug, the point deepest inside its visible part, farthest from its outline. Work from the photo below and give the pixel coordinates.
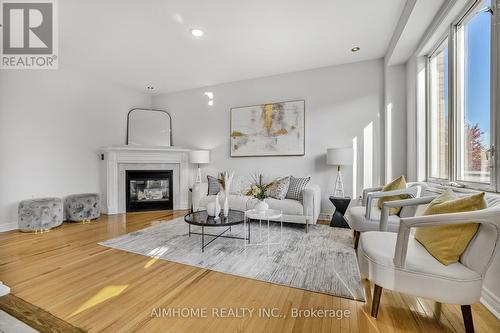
(322, 260)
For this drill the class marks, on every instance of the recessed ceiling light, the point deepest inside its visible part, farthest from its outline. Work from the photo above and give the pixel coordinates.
(355, 49)
(197, 32)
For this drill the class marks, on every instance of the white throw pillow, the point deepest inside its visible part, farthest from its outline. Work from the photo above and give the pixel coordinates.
(240, 185)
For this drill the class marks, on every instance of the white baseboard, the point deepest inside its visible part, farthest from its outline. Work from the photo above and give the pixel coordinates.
(325, 216)
(491, 302)
(8, 226)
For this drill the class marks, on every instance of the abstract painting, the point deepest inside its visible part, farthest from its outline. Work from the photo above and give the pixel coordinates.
(275, 129)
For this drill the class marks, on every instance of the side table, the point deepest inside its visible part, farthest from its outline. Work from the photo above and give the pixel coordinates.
(340, 205)
(270, 214)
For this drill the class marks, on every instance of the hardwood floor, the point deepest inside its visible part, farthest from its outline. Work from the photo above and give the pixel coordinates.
(99, 289)
(34, 316)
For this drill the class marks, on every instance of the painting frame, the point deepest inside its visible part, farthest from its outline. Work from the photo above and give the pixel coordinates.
(232, 126)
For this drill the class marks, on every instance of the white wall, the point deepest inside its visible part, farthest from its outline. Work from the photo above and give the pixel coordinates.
(340, 102)
(415, 116)
(411, 119)
(51, 126)
(395, 122)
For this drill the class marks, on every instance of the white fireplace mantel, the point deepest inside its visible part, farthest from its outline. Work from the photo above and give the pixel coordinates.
(121, 158)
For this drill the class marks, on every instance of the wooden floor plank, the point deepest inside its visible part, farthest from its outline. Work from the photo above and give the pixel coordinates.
(35, 317)
(66, 273)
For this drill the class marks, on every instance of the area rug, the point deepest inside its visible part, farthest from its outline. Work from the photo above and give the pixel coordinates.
(322, 260)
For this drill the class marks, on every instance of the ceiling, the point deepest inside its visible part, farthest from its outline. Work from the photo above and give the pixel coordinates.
(139, 43)
(418, 21)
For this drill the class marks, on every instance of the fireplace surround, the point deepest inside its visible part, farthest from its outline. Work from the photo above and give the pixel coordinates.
(118, 160)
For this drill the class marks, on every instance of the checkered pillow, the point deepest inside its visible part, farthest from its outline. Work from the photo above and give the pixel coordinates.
(297, 185)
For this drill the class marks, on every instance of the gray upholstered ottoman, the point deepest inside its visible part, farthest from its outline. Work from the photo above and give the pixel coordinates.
(82, 207)
(40, 214)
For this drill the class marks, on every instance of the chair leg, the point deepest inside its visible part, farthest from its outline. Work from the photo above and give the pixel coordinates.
(377, 292)
(467, 315)
(438, 308)
(356, 239)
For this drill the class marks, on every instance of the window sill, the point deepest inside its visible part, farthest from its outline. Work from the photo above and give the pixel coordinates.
(464, 186)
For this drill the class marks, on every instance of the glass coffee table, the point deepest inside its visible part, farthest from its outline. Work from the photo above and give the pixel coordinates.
(201, 219)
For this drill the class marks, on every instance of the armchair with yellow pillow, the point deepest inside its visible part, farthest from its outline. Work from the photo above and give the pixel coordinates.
(442, 255)
(368, 216)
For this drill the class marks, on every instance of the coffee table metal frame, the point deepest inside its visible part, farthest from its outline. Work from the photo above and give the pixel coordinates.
(203, 233)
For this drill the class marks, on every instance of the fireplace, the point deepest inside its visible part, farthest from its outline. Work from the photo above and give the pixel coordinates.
(149, 190)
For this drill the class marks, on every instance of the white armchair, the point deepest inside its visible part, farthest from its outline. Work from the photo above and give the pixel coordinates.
(414, 203)
(399, 262)
(368, 217)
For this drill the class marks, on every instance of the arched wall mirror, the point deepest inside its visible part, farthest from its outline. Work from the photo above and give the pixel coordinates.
(149, 127)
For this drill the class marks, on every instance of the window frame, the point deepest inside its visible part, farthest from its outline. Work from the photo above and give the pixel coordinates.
(466, 15)
(453, 163)
(437, 48)
(495, 87)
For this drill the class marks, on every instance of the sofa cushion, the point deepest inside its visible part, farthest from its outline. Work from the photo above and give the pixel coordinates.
(380, 247)
(238, 202)
(422, 275)
(288, 206)
(356, 218)
(242, 203)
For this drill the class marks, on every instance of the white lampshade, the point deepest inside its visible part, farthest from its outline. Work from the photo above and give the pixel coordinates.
(339, 156)
(199, 156)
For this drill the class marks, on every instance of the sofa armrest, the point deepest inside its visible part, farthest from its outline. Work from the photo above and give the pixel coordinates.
(200, 190)
(311, 200)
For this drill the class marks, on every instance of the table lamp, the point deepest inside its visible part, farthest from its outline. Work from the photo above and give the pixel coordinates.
(339, 157)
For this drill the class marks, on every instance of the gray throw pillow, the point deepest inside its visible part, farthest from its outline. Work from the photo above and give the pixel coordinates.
(279, 188)
(213, 185)
(297, 185)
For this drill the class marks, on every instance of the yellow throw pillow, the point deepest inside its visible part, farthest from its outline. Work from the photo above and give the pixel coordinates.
(397, 184)
(446, 243)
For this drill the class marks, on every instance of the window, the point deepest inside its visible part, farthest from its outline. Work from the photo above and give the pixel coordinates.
(473, 96)
(460, 124)
(438, 112)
